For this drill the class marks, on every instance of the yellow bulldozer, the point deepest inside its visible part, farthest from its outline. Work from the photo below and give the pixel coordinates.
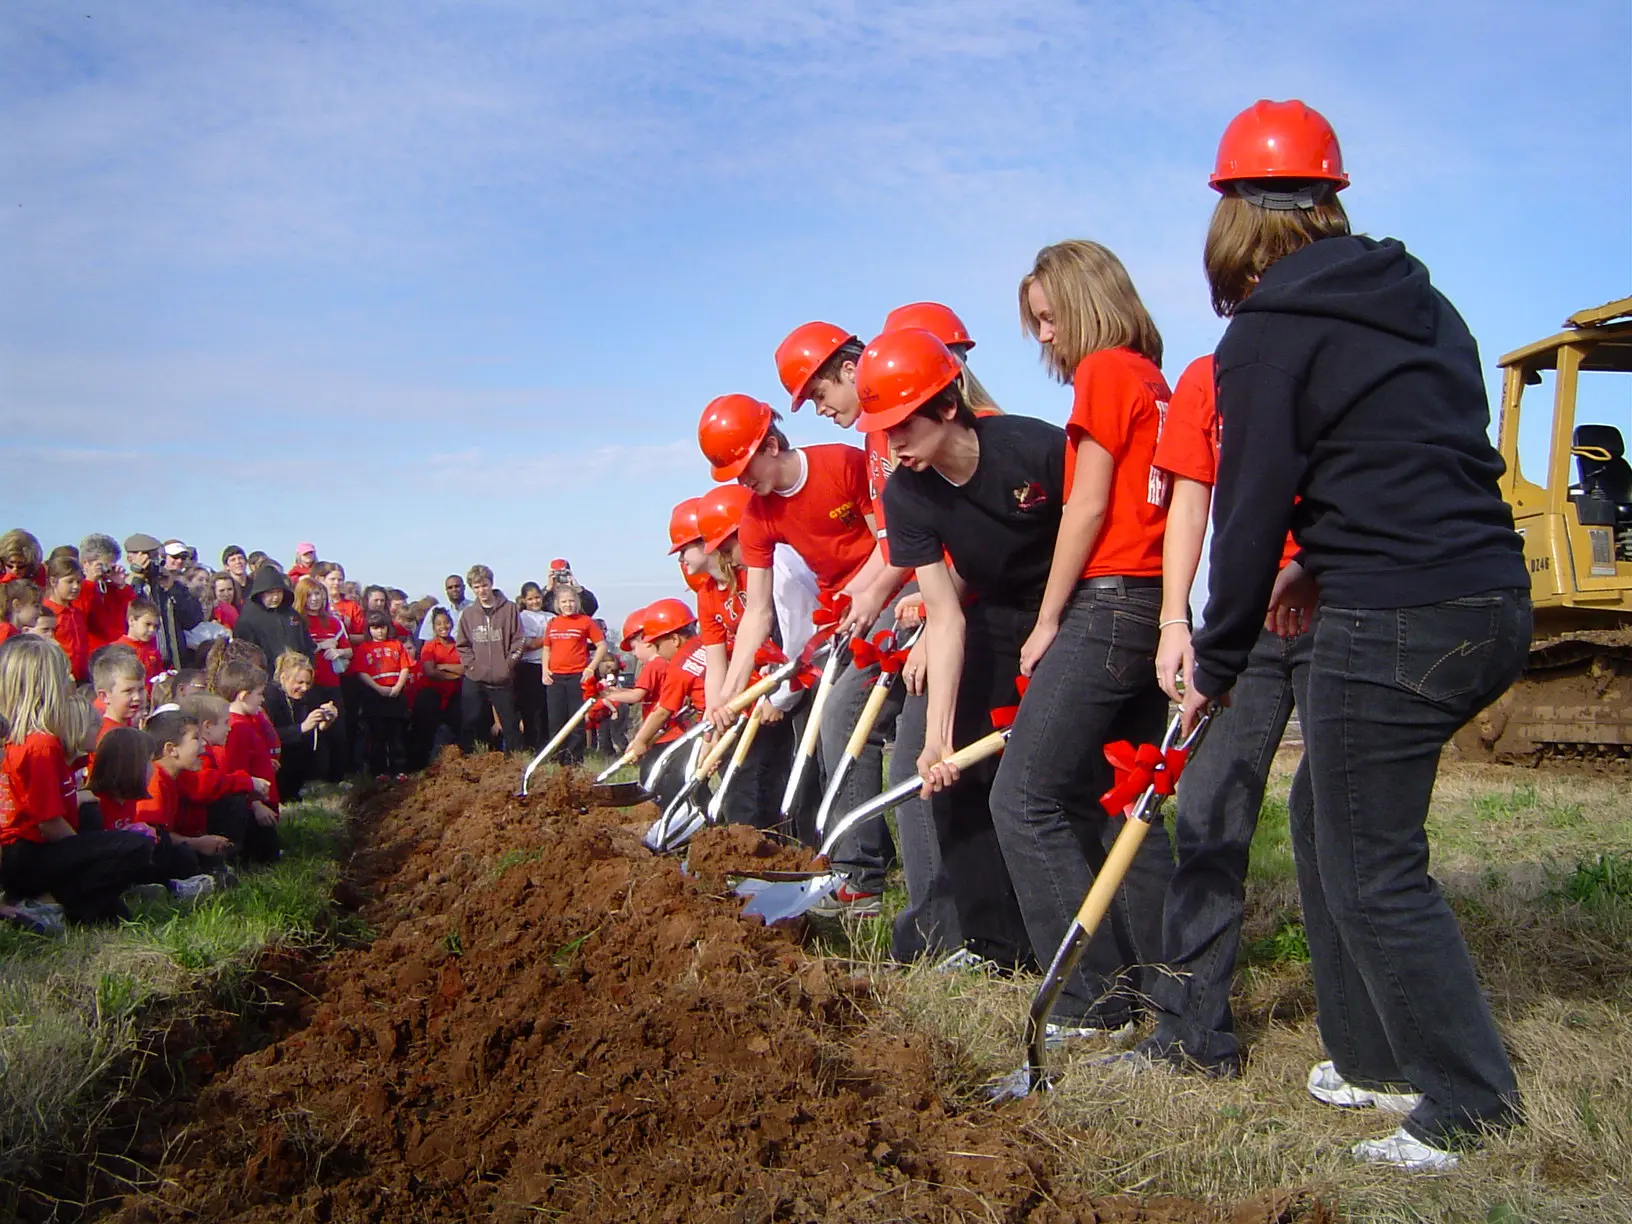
(1574, 702)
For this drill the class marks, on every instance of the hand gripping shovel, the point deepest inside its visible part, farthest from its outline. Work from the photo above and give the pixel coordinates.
(627, 794)
(559, 738)
(745, 741)
(883, 650)
(683, 817)
(1144, 777)
(775, 900)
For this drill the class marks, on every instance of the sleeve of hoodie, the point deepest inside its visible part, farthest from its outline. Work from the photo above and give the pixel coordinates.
(1260, 468)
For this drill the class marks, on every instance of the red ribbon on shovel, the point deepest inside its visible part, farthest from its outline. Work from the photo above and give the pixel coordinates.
(829, 611)
(1136, 769)
(769, 657)
(1003, 716)
(880, 650)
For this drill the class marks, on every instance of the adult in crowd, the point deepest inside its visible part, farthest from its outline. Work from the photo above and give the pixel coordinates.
(270, 619)
(179, 609)
(302, 718)
(229, 599)
(236, 562)
(453, 586)
(106, 595)
(490, 642)
(562, 579)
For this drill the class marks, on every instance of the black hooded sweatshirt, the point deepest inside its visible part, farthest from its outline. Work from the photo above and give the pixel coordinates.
(1348, 383)
(273, 630)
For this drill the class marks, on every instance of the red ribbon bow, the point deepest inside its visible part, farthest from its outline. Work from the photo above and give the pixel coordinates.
(880, 650)
(590, 688)
(830, 610)
(769, 657)
(1137, 769)
(1003, 716)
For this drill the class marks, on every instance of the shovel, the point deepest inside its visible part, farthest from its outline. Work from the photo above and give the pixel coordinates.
(775, 900)
(626, 794)
(813, 728)
(683, 817)
(716, 805)
(880, 649)
(1162, 767)
(556, 742)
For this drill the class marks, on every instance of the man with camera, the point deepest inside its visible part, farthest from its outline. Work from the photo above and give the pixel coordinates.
(561, 578)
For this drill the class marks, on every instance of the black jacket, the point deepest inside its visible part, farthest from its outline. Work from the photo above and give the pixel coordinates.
(1347, 380)
(179, 611)
(273, 630)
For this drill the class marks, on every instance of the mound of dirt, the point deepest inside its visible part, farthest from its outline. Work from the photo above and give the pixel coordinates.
(554, 1023)
(726, 850)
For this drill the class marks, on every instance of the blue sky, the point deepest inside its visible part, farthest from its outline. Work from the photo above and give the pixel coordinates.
(437, 283)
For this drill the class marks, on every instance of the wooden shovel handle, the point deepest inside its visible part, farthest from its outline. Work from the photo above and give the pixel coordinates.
(864, 724)
(716, 752)
(746, 740)
(973, 754)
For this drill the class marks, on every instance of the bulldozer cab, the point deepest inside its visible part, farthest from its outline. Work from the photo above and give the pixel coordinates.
(1566, 417)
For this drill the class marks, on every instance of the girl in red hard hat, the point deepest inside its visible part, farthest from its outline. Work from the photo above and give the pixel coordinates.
(1353, 411)
(977, 505)
(1090, 652)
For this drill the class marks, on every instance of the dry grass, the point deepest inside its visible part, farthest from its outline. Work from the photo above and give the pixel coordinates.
(1559, 973)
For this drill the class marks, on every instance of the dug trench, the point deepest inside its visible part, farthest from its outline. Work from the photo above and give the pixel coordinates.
(553, 1023)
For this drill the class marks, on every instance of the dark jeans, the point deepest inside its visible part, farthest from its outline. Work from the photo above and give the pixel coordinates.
(1096, 683)
(755, 797)
(86, 873)
(1219, 798)
(532, 705)
(1398, 1000)
(429, 723)
(565, 695)
(972, 881)
(866, 853)
(234, 819)
(478, 703)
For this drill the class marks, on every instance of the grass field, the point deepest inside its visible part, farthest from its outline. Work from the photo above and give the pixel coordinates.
(74, 1010)
(1539, 870)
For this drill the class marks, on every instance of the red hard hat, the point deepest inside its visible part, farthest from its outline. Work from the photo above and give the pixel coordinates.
(898, 374)
(937, 320)
(664, 617)
(683, 527)
(719, 513)
(631, 628)
(1279, 140)
(730, 432)
(805, 351)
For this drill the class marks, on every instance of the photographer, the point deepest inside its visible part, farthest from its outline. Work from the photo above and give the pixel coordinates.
(561, 579)
(155, 572)
(301, 717)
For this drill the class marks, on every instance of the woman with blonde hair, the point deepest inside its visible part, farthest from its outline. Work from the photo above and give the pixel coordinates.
(1090, 652)
(1353, 410)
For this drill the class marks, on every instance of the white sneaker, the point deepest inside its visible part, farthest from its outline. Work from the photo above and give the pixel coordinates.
(1058, 1034)
(148, 892)
(48, 916)
(1329, 1087)
(192, 888)
(1404, 1150)
(964, 960)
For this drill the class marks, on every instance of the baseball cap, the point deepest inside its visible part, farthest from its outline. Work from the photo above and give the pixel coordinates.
(305, 547)
(558, 564)
(142, 542)
(175, 548)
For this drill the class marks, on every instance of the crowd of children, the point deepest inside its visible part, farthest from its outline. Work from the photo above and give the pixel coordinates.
(156, 717)
(1363, 567)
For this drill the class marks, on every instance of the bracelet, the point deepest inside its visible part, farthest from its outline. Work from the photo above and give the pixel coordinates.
(1177, 620)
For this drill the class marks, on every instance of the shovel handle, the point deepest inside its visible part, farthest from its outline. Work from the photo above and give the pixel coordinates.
(869, 716)
(973, 754)
(613, 768)
(717, 750)
(556, 742)
(746, 740)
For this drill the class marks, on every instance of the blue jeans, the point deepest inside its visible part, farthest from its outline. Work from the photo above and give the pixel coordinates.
(867, 852)
(1399, 1002)
(1096, 683)
(1219, 797)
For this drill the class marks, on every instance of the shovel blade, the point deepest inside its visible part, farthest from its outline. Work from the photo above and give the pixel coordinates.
(619, 794)
(1016, 1085)
(670, 831)
(775, 901)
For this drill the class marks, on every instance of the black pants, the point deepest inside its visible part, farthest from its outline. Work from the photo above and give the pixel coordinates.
(331, 756)
(86, 873)
(428, 721)
(532, 705)
(478, 703)
(352, 689)
(755, 796)
(234, 819)
(565, 696)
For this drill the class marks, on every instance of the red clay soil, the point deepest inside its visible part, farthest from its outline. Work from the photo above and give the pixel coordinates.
(553, 1023)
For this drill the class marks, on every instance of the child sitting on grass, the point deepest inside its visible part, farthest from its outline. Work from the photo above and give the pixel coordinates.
(220, 800)
(43, 856)
(135, 782)
(121, 687)
(248, 746)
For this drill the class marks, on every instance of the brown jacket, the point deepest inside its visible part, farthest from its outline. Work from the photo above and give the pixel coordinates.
(489, 640)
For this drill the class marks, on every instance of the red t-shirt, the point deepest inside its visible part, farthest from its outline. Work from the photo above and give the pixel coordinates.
(350, 611)
(224, 614)
(650, 682)
(203, 786)
(247, 749)
(1120, 401)
(443, 654)
(683, 679)
(163, 803)
(879, 466)
(118, 813)
(147, 652)
(325, 625)
(569, 638)
(719, 612)
(105, 605)
(36, 785)
(73, 636)
(823, 520)
(1188, 446)
(384, 661)
(7, 630)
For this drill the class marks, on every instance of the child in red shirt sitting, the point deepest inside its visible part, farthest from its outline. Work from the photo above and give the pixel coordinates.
(243, 686)
(569, 664)
(42, 853)
(221, 800)
(383, 666)
(72, 633)
(141, 627)
(121, 689)
(134, 780)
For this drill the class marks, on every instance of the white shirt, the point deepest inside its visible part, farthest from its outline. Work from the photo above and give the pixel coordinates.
(533, 625)
(795, 595)
(425, 633)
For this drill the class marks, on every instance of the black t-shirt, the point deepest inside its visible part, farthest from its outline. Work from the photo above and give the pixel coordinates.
(999, 528)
